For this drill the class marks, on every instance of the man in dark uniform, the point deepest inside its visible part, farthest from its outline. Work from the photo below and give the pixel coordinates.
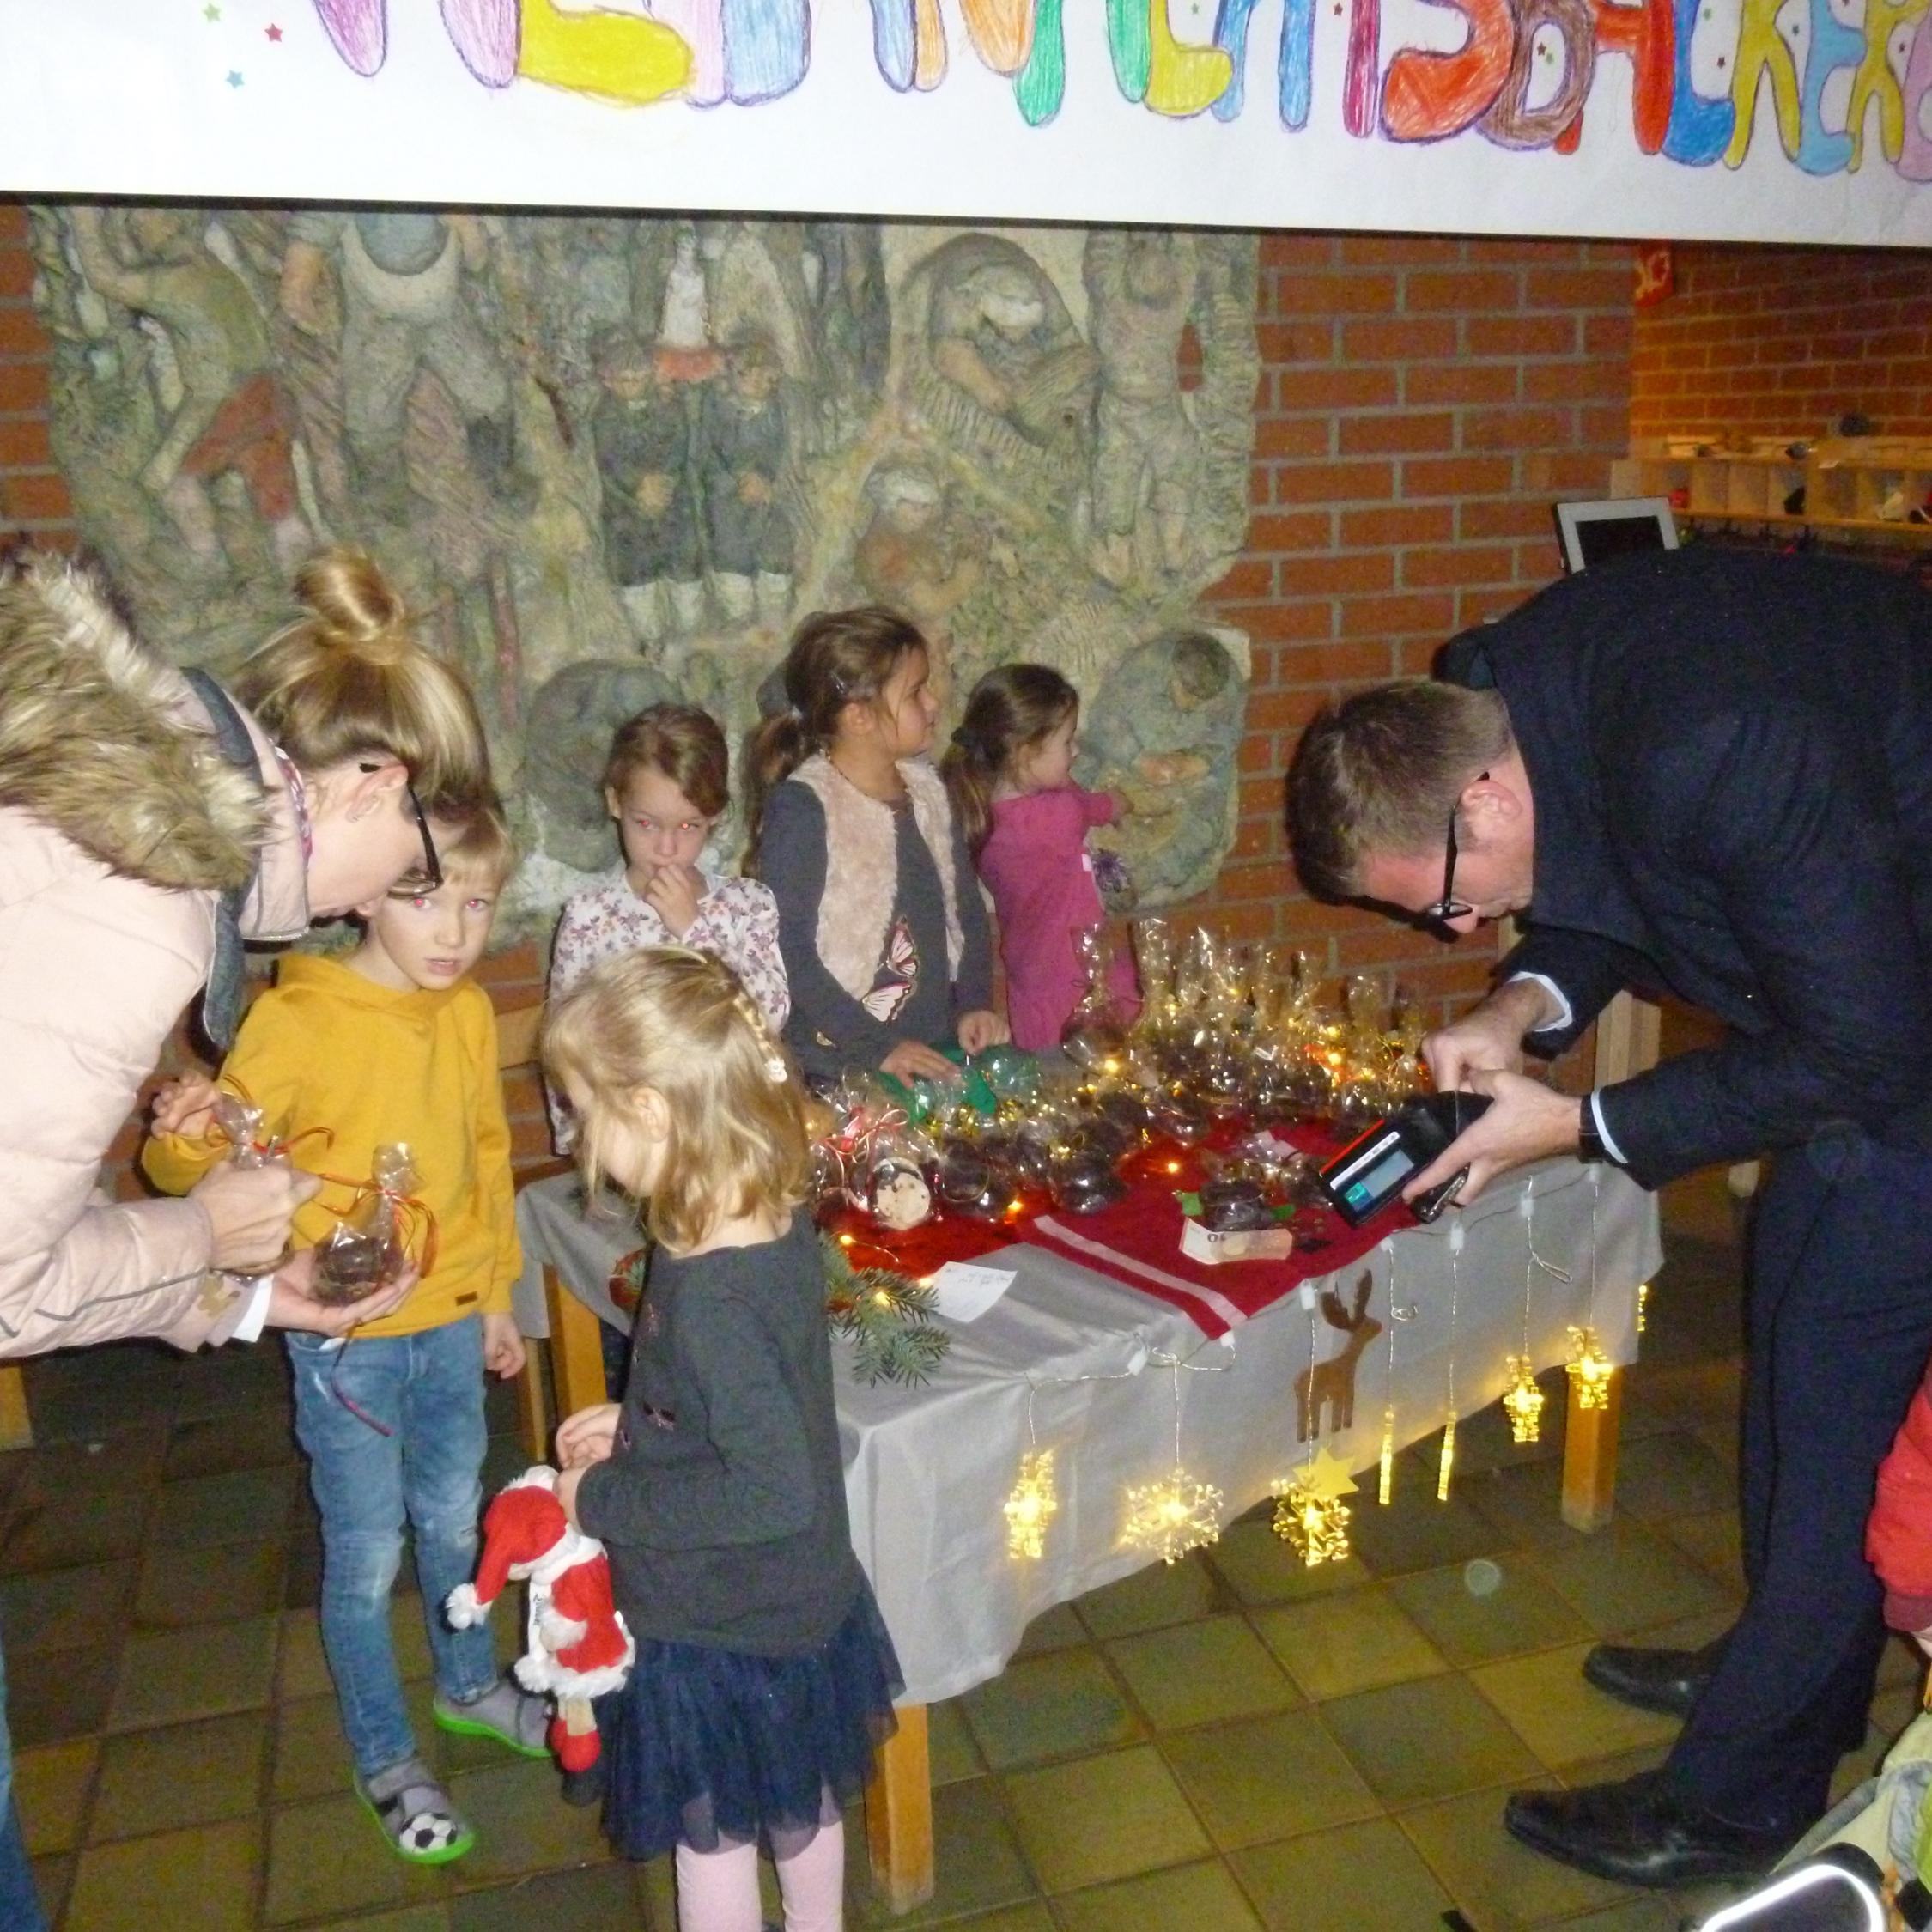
(1709, 771)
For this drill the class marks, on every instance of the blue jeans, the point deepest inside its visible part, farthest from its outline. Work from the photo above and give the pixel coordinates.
(20, 1904)
(426, 1390)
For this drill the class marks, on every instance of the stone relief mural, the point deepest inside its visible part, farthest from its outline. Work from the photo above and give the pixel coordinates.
(613, 460)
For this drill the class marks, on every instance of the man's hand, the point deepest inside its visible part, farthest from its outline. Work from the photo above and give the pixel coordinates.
(186, 1107)
(912, 1059)
(1488, 1038)
(589, 1435)
(1526, 1121)
(981, 1029)
(292, 1303)
(673, 894)
(503, 1349)
(250, 1211)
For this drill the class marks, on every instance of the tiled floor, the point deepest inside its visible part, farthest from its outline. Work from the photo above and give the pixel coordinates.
(1233, 1743)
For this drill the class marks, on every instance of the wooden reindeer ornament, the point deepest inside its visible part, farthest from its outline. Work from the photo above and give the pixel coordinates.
(1330, 1385)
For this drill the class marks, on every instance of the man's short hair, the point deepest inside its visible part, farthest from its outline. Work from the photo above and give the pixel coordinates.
(1379, 773)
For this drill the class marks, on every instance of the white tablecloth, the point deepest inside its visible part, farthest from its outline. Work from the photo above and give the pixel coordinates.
(928, 1468)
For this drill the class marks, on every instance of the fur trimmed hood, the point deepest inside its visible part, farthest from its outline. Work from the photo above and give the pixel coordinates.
(106, 742)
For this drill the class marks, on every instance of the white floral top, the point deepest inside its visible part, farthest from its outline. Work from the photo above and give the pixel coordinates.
(736, 920)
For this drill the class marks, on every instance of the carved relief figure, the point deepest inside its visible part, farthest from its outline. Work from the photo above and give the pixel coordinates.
(738, 455)
(229, 412)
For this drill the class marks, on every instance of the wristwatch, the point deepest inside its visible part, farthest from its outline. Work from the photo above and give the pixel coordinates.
(1589, 1141)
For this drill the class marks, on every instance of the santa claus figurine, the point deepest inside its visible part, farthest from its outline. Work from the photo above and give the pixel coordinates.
(578, 1646)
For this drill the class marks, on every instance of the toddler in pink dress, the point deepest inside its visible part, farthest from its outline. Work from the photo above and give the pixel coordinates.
(1010, 772)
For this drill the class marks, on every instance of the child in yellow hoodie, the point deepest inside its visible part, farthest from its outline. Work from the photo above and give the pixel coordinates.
(395, 1042)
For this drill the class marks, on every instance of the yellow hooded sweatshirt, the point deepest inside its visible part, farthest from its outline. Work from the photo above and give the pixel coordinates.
(326, 1048)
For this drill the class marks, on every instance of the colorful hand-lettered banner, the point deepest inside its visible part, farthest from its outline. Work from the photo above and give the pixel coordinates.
(1775, 119)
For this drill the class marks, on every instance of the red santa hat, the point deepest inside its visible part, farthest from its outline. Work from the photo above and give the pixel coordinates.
(522, 1525)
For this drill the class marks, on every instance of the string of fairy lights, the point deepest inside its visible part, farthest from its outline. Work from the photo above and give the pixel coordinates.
(1178, 1510)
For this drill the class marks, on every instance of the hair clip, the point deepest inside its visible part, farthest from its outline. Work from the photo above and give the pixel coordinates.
(776, 1070)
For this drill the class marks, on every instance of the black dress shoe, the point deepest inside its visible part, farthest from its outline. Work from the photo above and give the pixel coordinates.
(1637, 1833)
(1666, 1681)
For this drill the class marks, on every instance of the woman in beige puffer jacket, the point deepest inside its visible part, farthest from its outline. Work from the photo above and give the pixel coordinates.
(127, 838)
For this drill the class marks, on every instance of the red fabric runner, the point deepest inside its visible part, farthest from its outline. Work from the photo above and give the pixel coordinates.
(1137, 1241)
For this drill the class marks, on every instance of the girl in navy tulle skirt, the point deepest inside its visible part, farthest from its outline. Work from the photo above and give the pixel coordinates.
(764, 1676)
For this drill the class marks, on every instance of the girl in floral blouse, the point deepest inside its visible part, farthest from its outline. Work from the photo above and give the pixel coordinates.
(666, 784)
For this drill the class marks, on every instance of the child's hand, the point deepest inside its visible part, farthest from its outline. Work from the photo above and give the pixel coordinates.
(912, 1059)
(673, 894)
(587, 1437)
(186, 1107)
(567, 1485)
(293, 1305)
(981, 1029)
(503, 1350)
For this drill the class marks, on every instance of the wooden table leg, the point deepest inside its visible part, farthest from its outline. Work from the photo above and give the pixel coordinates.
(1590, 1458)
(16, 1427)
(576, 1348)
(533, 1408)
(899, 1814)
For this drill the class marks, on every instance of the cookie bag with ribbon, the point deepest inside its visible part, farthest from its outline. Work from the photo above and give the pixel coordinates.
(372, 1243)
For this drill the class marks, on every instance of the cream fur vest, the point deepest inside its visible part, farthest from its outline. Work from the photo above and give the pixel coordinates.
(862, 868)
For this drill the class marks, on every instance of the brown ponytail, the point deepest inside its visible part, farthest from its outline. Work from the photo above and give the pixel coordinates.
(837, 658)
(1011, 709)
(349, 679)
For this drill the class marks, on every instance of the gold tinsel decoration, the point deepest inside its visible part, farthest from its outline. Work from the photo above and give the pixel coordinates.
(1031, 1506)
(1589, 1369)
(1523, 1401)
(1385, 1479)
(1448, 1462)
(1309, 1515)
(1643, 1306)
(1169, 1518)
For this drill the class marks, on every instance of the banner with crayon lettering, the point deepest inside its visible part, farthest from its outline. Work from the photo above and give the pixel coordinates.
(1747, 119)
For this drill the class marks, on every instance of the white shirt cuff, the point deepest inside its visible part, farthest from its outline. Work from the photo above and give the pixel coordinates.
(255, 1318)
(1610, 1146)
(1555, 991)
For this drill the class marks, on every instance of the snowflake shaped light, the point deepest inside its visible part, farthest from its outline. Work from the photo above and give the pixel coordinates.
(1523, 1403)
(1031, 1506)
(1172, 1517)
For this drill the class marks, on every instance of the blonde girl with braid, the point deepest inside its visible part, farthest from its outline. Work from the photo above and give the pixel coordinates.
(764, 1676)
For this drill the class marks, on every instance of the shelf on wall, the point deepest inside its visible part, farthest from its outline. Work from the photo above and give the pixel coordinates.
(1845, 480)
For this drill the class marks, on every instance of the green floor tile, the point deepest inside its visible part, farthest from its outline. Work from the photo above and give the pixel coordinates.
(521, 1820)
(312, 1757)
(170, 1676)
(184, 1774)
(1416, 1532)
(204, 1878)
(596, 1898)
(50, 1786)
(1497, 1881)
(1103, 1818)
(1431, 1739)
(1051, 1629)
(245, 1507)
(1267, 1777)
(61, 1695)
(1563, 1719)
(1035, 1917)
(68, 1609)
(125, 1462)
(303, 1671)
(59, 1536)
(1672, 1474)
(1055, 1706)
(1162, 1593)
(1626, 1578)
(410, 1919)
(1201, 1898)
(1493, 1608)
(330, 1859)
(976, 1865)
(1632, 1915)
(1714, 1539)
(219, 1445)
(1259, 1568)
(183, 1587)
(1524, 1503)
(1361, 1878)
(1200, 1673)
(53, 1876)
(1332, 1646)
(950, 1750)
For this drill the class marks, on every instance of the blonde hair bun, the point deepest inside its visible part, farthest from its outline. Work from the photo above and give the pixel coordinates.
(354, 606)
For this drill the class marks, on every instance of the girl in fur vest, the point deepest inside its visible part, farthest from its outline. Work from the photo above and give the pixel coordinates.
(881, 925)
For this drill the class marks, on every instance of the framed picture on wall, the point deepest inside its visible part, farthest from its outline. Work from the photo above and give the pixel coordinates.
(1593, 532)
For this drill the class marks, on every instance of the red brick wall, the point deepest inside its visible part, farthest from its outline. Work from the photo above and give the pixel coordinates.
(1770, 341)
(1422, 402)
